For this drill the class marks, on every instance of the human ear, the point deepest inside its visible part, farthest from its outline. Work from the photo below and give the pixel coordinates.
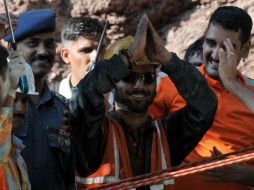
(64, 53)
(245, 49)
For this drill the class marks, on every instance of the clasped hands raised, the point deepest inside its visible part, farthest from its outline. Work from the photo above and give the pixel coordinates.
(148, 42)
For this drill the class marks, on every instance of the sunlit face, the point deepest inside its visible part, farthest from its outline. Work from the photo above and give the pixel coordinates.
(80, 54)
(39, 51)
(137, 93)
(20, 109)
(214, 38)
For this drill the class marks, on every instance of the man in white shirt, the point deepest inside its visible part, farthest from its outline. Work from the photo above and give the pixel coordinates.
(80, 37)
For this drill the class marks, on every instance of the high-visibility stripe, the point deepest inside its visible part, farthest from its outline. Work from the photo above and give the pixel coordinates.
(116, 155)
(104, 179)
(110, 179)
(157, 187)
(101, 179)
(163, 158)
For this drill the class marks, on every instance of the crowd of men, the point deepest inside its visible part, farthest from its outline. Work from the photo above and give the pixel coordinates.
(139, 110)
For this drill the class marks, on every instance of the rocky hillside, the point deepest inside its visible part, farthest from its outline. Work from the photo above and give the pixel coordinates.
(179, 22)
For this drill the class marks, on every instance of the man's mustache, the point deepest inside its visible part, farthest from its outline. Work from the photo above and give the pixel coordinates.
(138, 91)
(41, 58)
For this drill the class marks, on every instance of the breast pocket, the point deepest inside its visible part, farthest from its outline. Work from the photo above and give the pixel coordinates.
(59, 147)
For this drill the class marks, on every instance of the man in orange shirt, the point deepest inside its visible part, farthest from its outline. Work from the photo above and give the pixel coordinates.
(227, 40)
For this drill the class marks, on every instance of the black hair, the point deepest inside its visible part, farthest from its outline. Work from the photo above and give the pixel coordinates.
(80, 26)
(195, 47)
(3, 61)
(233, 18)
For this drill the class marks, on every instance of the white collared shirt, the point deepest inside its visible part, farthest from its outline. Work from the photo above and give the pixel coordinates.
(65, 87)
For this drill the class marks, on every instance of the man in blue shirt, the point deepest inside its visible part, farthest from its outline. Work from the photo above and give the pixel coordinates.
(48, 153)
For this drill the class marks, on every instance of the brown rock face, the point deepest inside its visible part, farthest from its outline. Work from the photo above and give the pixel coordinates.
(178, 22)
(123, 15)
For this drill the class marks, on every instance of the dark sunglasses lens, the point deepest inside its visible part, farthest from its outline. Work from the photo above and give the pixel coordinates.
(131, 78)
(149, 78)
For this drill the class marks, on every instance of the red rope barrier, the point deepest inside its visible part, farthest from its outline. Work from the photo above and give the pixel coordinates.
(170, 175)
(183, 168)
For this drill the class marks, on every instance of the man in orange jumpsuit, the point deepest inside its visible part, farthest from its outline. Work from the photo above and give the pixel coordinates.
(226, 41)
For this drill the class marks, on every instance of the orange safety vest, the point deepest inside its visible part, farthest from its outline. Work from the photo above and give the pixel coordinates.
(116, 163)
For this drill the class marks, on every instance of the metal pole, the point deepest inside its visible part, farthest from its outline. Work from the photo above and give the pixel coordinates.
(10, 25)
(101, 41)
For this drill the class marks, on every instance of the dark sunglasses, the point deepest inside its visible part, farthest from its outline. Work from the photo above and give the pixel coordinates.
(133, 77)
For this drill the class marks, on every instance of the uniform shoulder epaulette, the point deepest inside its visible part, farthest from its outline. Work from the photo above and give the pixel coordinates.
(60, 97)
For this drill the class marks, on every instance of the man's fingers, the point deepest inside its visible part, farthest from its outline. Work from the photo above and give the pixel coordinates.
(17, 63)
(142, 25)
(158, 43)
(229, 47)
(222, 56)
(17, 69)
(152, 29)
(221, 69)
(13, 54)
(141, 29)
(230, 52)
(138, 47)
(16, 54)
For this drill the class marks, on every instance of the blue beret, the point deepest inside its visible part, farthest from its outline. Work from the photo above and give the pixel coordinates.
(33, 22)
